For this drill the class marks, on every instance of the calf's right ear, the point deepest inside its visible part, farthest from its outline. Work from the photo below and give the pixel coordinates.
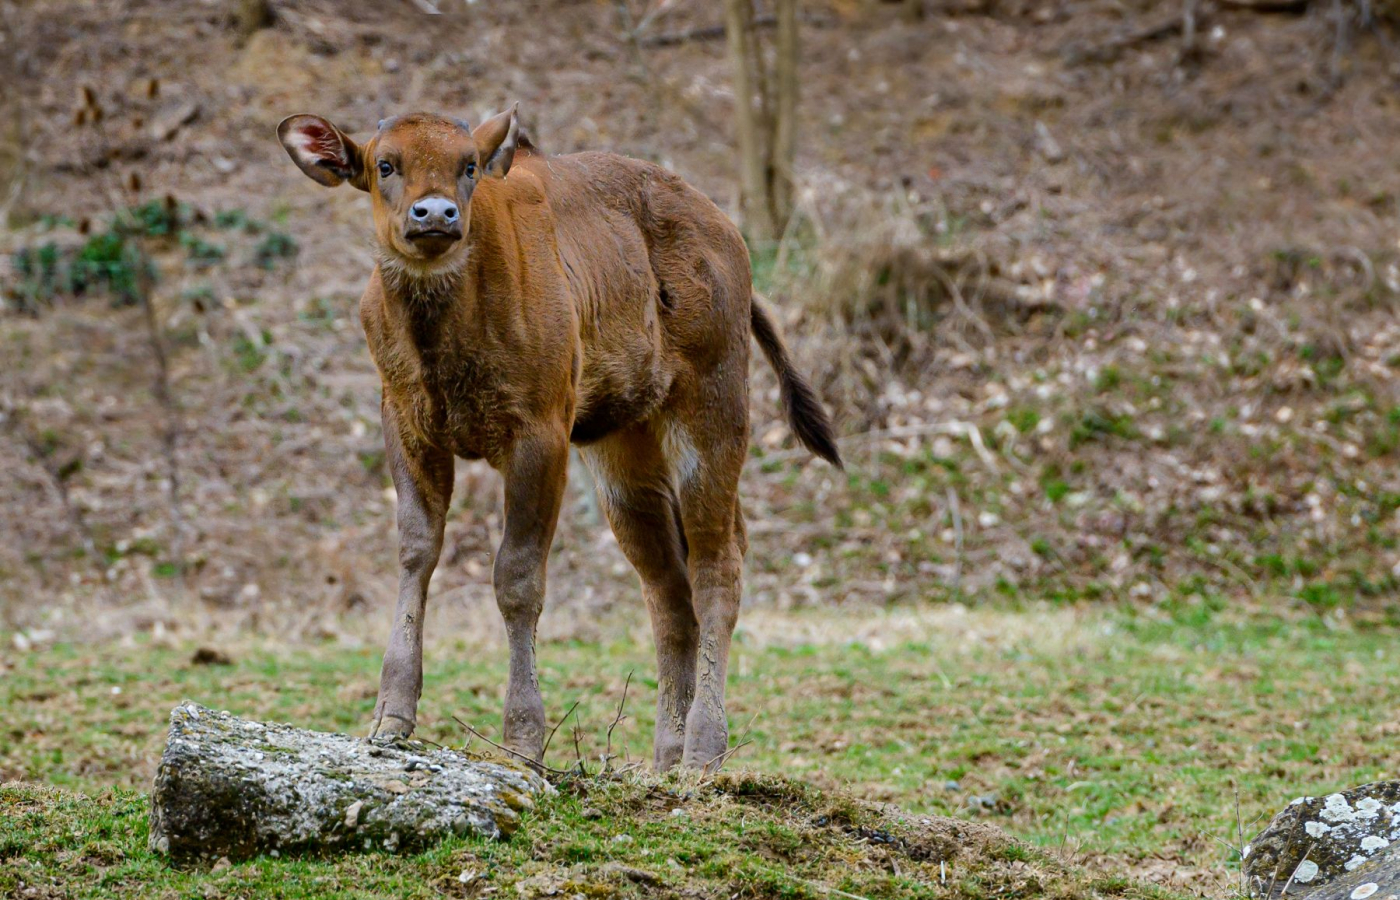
(323, 151)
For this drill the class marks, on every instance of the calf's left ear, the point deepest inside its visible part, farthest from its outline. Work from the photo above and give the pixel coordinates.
(496, 139)
(325, 153)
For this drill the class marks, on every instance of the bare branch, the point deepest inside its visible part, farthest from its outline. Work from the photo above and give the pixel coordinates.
(956, 511)
(621, 704)
(699, 33)
(556, 728)
(535, 764)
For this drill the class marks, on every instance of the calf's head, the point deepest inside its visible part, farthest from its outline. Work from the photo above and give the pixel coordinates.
(420, 171)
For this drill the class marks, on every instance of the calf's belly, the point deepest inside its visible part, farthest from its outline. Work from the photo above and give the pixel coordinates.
(609, 405)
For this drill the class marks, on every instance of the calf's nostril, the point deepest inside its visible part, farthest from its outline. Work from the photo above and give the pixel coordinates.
(419, 212)
(450, 213)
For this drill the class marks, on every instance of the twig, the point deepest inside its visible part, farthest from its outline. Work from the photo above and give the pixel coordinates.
(1188, 28)
(1111, 48)
(644, 76)
(719, 761)
(170, 437)
(547, 740)
(955, 428)
(1339, 16)
(956, 511)
(18, 421)
(959, 304)
(536, 764)
(662, 8)
(646, 21)
(578, 747)
(1273, 879)
(1267, 6)
(1239, 830)
(1289, 883)
(825, 889)
(621, 704)
(699, 33)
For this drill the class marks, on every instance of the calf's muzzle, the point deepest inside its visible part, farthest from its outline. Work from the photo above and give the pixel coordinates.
(433, 218)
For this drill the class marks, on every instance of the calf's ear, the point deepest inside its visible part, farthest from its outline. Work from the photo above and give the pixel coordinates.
(325, 153)
(496, 139)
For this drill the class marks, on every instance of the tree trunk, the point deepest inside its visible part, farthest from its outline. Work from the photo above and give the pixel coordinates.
(785, 114)
(234, 788)
(755, 198)
(252, 16)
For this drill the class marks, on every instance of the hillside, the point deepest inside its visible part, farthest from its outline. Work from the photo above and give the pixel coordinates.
(1100, 320)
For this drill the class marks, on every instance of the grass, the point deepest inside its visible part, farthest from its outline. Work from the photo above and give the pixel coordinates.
(120, 258)
(733, 836)
(1118, 738)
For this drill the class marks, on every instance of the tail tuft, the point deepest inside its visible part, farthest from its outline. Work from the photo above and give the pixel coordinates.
(806, 415)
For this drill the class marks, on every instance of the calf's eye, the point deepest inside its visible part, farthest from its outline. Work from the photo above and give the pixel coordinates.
(471, 170)
(385, 169)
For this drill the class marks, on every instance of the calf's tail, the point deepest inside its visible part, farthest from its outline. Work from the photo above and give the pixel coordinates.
(805, 414)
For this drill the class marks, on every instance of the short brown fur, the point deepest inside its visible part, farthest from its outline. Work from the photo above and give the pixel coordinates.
(523, 302)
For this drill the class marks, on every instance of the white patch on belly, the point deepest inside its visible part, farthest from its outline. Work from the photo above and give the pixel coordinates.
(680, 452)
(597, 466)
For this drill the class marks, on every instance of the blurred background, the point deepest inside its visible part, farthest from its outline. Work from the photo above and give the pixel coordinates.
(1102, 294)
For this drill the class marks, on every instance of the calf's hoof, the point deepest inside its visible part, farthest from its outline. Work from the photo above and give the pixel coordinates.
(668, 753)
(706, 749)
(389, 728)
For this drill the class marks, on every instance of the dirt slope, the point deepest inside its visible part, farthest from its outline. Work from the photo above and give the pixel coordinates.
(1171, 379)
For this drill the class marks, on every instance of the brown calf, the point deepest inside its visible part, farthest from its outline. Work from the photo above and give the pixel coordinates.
(591, 299)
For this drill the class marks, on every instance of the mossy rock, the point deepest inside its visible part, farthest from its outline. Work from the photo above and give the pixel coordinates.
(1316, 841)
(230, 787)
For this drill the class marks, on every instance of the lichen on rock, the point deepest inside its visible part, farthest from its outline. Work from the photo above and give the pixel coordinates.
(1318, 842)
(231, 787)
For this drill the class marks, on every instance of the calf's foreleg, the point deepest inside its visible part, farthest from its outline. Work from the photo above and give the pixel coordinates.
(535, 470)
(423, 481)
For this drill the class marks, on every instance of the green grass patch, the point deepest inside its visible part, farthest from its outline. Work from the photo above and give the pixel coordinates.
(1125, 735)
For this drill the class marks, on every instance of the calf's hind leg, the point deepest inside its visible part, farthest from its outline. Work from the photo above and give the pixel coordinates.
(710, 514)
(636, 491)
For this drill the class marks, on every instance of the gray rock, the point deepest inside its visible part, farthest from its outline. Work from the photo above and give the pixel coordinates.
(228, 787)
(1377, 879)
(1318, 844)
